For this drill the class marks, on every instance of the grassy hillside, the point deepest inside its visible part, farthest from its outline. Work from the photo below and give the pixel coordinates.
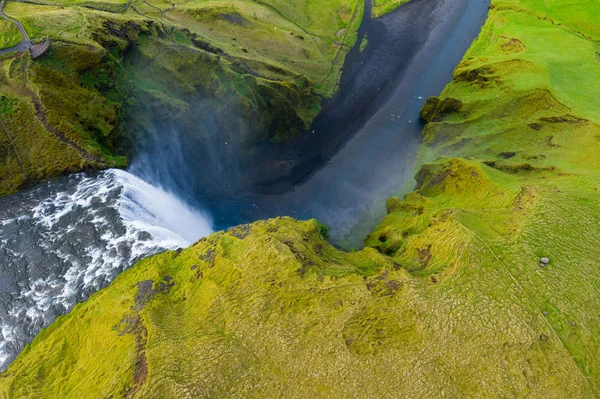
(50, 121)
(300, 37)
(450, 297)
(9, 34)
(110, 76)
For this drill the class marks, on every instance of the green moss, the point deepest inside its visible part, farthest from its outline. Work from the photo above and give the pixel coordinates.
(7, 104)
(270, 61)
(364, 43)
(184, 287)
(382, 7)
(526, 131)
(9, 34)
(323, 229)
(448, 298)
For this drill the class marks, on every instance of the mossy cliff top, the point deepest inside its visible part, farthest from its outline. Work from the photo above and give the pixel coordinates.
(115, 70)
(275, 37)
(452, 296)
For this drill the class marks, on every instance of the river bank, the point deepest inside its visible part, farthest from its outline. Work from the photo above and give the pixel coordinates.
(371, 125)
(481, 282)
(64, 240)
(342, 185)
(366, 138)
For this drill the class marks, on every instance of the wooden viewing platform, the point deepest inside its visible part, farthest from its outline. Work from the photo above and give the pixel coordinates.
(38, 49)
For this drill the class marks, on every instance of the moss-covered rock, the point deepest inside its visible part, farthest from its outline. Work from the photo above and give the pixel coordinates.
(112, 80)
(382, 7)
(483, 282)
(435, 109)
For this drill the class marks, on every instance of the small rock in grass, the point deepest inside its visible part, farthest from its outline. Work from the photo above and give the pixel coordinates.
(545, 260)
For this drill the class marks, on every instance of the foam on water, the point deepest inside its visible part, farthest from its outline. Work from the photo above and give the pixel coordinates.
(151, 208)
(62, 241)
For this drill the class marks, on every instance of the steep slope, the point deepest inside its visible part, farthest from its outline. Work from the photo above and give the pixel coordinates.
(9, 34)
(116, 71)
(452, 297)
(522, 113)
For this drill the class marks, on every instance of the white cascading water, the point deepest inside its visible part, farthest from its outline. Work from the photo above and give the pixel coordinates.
(162, 214)
(62, 241)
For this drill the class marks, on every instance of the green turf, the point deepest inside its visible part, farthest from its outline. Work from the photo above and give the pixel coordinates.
(74, 130)
(448, 299)
(278, 59)
(9, 34)
(522, 115)
(364, 43)
(303, 37)
(456, 303)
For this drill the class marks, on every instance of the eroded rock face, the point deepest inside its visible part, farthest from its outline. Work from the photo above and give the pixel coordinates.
(435, 109)
(447, 289)
(108, 92)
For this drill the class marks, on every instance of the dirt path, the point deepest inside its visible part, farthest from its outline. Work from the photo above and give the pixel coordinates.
(14, 21)
(39, 108)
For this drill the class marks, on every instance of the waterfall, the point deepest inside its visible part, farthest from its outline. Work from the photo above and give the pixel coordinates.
(64, 240)
(165, 216)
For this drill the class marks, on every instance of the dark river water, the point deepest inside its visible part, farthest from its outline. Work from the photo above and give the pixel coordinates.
(361, 149)
(63, 240)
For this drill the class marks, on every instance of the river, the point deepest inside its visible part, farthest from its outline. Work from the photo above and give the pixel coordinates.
(361, 149)
(63, 240)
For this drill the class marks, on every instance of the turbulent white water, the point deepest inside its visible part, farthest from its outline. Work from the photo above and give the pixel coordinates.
(149, 208)
(64, 240)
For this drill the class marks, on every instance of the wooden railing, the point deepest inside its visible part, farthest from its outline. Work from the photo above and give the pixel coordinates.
(39, 49)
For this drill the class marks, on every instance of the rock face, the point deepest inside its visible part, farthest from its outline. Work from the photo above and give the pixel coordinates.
(435, 109)
(443, 301)
(213, 72)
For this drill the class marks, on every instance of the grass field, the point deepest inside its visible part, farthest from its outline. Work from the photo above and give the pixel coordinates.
(41, 134)
(448, 299)
(9, 34)
(304, 38)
